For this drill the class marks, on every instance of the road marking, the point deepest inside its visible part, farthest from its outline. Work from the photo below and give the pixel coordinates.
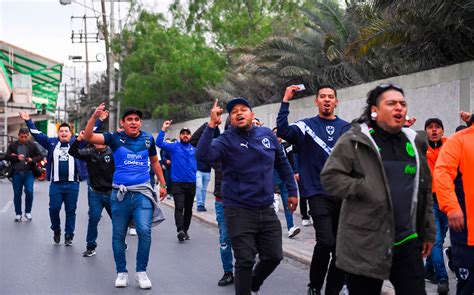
(6, 207)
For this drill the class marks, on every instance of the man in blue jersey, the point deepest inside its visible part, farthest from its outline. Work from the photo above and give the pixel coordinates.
(248, 154)
(133, 196)
(315, 137)
(64, 172)
(183, 176)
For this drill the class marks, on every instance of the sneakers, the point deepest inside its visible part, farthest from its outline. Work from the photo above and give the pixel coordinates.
(293, 232)
(201, 208)
(68, 241)
(186, 236)
(143, 280)
(169, 197)
(255, 293)
(181, 236)
(122, 280)
(313, 291)
(57, 236)
(28, 216)
(443, 287)
(18, 218)
(89, 253)
(132, 231)
(306, 222)
(227, 279)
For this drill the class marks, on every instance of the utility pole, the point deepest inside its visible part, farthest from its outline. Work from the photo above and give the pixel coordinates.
(110, 60)
(65, 102)
(88, 81)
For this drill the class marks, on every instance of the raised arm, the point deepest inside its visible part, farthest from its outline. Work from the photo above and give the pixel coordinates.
(208, 150)
(89, 135)
(77, 151)
(160, 139)
(39, 136)
(288, 132)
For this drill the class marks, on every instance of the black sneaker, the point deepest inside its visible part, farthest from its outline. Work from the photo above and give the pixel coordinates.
(443, 287)
(68, 241)
(430, 276)
(57, 236)
(89, 253)
(227, 279)
(186, 236)
(313, 291)
(181, 236)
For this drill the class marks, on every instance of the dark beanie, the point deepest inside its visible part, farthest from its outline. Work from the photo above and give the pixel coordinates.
(434, 120)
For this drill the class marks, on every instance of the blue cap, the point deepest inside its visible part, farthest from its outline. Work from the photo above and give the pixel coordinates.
(235, 101)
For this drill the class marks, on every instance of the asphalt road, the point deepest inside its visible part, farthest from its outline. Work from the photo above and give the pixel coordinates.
(30, 262)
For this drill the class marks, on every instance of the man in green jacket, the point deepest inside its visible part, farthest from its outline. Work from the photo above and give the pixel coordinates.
(380, 170)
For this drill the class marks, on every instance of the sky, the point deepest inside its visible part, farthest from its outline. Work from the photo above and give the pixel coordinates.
(45, 27)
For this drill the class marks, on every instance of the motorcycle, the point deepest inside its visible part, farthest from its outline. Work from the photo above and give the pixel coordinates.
(5, 167)
(42, 166)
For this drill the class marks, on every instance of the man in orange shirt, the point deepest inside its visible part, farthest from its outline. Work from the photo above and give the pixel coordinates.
(454, 181)
(434, 267)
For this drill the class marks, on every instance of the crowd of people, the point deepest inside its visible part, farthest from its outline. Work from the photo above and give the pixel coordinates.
(381, 196)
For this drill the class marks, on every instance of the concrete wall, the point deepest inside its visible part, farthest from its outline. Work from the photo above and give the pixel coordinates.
(441, 93)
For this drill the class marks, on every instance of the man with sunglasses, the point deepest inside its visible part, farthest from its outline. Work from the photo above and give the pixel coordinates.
(315, 137)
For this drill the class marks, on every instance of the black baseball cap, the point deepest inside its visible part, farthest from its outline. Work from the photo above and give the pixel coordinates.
(236, 101)
(185, 129)
(130, 111)
(434, 120)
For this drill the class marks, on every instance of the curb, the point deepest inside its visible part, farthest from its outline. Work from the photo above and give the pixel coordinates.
(212, 222)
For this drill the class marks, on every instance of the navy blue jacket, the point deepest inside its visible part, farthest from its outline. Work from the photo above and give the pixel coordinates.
(183, 162)
(248, 159)
(311, 155)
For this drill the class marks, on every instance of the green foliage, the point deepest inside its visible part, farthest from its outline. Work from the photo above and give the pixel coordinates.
(165, 66)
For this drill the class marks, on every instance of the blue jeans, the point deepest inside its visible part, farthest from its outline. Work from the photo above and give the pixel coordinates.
(284, 199)
(63, 192)
(224, 240)
(139, 207)
(97, 202)
(20, 180)
(202, 180)
(436, 260)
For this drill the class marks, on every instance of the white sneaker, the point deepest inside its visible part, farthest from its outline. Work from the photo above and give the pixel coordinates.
(18, 218)
(28, 216)
(293, 232)
(143, 280)
(122, 280)
(306, 222)
(132, 231)
(255, 292)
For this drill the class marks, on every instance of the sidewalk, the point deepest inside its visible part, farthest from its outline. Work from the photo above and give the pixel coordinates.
(299, 248)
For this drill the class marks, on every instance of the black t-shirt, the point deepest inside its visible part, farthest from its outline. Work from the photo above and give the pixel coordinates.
(398, 157)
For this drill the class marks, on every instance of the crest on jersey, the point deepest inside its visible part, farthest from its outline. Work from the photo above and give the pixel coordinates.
(330, 130)
(463, 273)
(266, 142)
(107, 158)
(147, 143)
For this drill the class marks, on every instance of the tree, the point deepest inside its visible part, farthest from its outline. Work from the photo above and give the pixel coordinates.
(164, 70)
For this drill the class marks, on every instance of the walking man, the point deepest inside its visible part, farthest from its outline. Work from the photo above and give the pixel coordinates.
(315, 137)
(434, 267)
(64, 172)
(100, 166)
(380, 171)
(23, 154)
(248, 153)
(132, 195)
(454, 179)
(183, 176)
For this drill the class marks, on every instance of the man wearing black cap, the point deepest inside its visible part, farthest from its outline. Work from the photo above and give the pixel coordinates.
(132, 197)
(248, 154)
(434, 267)
(183, 176)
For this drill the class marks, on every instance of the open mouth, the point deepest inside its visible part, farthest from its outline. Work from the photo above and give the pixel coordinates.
(398, 117)
(240, 119)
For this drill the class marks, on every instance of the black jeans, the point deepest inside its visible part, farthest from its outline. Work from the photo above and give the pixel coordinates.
(183, 204)
(325, 214)
(253, 231)
(304, 208)
(407, 274)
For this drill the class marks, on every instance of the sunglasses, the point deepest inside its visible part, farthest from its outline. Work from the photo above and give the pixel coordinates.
(394, 86)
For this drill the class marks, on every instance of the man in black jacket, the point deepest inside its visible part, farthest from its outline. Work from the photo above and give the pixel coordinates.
(100, 166)
(23, 154)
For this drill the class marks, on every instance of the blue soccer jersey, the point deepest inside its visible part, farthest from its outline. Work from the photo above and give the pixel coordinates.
(131, 156)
